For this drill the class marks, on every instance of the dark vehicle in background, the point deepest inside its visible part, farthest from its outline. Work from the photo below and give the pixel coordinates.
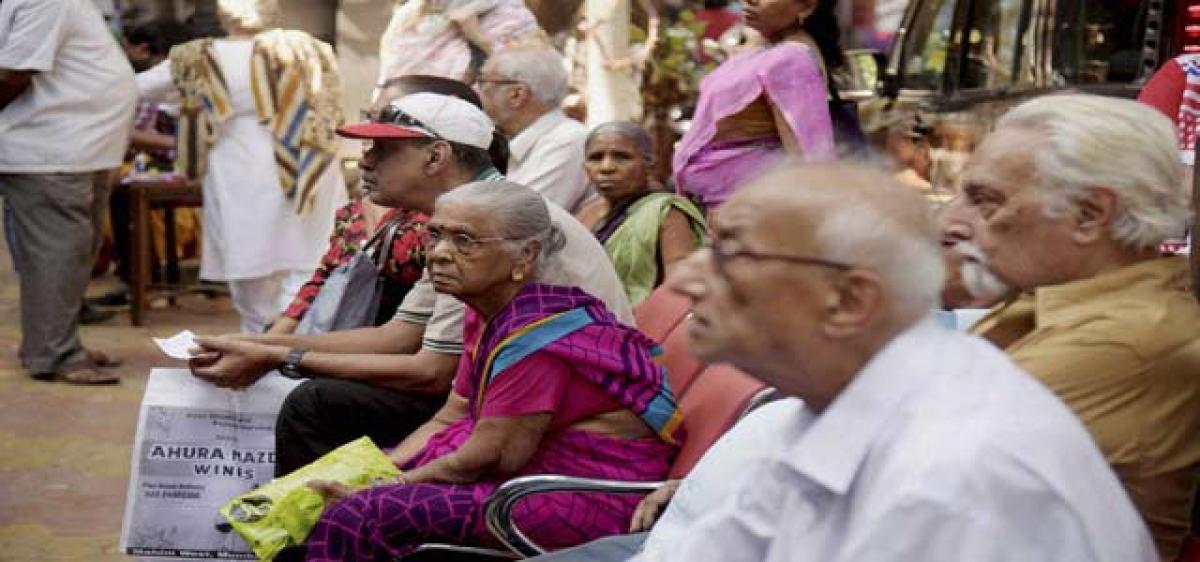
(961, 63)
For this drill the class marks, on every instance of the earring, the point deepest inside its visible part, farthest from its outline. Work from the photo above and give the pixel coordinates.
(518, 275)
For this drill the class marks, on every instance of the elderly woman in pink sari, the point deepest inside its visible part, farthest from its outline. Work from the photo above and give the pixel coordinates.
(759, 105)
(550, 382)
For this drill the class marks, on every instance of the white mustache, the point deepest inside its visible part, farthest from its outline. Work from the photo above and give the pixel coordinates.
(977, 278)
(971, 251)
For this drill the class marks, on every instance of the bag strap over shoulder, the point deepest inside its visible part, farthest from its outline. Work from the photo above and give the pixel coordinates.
(379, 247)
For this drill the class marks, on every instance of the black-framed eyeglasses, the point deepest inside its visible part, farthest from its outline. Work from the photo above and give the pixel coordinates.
(462, 243)
(392, 114)
(721, 256)
(498, 81)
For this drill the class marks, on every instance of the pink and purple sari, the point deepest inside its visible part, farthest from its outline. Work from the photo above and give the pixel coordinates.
(788, 75)
(552, 349)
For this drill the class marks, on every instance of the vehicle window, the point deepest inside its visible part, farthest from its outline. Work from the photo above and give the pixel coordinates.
(993, 31)
(1099, 41)
(927, 44)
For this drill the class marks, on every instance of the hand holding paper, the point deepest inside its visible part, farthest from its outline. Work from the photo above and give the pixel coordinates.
(178, 346)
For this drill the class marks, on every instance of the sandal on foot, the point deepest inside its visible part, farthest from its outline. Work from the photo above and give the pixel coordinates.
(85, 374)
(101, 359)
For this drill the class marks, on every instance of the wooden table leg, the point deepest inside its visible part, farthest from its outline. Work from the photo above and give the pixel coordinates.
(139, 272)
(172, 273)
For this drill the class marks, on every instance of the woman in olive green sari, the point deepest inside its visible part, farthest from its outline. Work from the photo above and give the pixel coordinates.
(646, 231)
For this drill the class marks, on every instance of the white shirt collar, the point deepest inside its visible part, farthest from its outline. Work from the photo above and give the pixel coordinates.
(522, 144)
(831, 450)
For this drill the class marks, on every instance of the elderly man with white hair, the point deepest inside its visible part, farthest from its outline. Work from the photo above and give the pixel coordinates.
(1072, 196)
(912, 442)
(522, 89)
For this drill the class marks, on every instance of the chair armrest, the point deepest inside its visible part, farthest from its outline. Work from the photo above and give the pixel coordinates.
(435, 552)
(499, 506)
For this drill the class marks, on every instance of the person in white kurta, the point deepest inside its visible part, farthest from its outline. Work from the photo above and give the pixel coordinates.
(253, 237)
(614, 67)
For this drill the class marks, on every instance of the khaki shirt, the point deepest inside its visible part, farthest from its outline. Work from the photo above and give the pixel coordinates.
(1122, 350)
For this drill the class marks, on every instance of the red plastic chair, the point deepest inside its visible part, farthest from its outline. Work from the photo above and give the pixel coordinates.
(660, 313)
(682, 367)
(711, 398)
(718, 398)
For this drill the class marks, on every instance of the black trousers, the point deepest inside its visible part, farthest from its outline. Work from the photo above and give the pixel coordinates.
(321, 415)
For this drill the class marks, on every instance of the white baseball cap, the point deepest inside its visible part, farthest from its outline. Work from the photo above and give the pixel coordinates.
(427, 115)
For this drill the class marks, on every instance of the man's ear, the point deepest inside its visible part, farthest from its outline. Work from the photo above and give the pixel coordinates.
(440, 156)
(1094, 215)
(854, 300)
(519, 96)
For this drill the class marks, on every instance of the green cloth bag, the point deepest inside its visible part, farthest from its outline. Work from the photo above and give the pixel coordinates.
(282, 512)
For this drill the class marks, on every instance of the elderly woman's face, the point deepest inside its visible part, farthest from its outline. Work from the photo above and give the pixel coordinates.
(616, 167)
(466, 255)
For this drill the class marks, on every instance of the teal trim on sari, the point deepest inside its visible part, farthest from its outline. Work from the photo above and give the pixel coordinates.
(536, 339)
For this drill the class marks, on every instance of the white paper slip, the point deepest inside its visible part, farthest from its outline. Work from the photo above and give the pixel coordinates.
(177, 346)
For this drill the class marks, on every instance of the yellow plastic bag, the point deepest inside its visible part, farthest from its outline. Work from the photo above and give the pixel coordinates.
(283, 512)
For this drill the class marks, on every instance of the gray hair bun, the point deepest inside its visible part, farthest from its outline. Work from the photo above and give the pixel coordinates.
(553, 241)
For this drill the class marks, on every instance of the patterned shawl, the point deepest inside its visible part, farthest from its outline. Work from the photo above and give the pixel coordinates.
(1188, 118)
(297, 97)
(576, 327)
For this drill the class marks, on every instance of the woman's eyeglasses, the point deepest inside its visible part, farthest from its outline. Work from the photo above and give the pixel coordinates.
(722, 255)
(462, 243)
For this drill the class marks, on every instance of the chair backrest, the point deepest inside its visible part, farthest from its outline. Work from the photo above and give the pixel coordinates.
(682, 367)
(660, 313)
(712, 404)
(711, 397)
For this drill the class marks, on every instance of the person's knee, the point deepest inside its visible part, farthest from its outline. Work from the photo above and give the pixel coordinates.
(302, 403)
(352, 511)
(319, 393)
(321, 399)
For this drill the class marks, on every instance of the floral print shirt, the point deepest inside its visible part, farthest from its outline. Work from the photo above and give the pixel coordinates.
(404, 265)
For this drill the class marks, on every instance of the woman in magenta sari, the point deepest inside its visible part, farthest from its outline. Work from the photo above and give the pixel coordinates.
(759, 105)
(550, 382)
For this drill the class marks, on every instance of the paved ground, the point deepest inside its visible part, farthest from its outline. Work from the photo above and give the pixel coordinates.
(64, 450)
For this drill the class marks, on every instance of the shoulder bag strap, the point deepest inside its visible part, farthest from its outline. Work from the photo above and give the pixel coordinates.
(380, 245)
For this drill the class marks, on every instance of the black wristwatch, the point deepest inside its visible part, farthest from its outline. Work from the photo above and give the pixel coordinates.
(291, 363)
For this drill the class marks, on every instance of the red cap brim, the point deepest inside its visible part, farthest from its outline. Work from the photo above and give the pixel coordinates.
(374, 130)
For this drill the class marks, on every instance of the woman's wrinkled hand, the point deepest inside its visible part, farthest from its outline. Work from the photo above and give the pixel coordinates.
(399, 457)
(330, 490)
(651, 507)
(333, 491)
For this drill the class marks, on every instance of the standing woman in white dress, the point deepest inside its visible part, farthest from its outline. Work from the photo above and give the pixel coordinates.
(614, 65)
(257, 119)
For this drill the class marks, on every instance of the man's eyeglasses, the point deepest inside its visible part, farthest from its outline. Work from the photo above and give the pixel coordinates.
(499, 81)
(396, 116)
(722, 255)
(462, 243)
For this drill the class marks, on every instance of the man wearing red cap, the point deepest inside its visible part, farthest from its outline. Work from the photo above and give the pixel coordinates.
(385, 381)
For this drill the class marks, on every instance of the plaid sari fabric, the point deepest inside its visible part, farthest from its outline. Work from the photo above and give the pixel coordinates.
(385, 522)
